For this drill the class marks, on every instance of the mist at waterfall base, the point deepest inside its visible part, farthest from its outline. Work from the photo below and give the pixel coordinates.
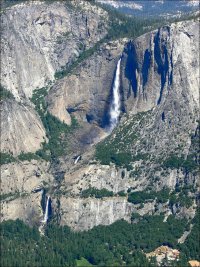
(115, 106)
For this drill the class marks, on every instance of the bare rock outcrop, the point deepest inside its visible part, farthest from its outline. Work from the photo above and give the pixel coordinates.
(85, 93)
(99, 176)
(26, 207)
(160, 63)
(159, 77)
(84, 214)
(162, 77)
(21, 128)
(39, 38)
(24, 176)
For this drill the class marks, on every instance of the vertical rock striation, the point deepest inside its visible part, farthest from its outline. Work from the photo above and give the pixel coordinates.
(39, 38)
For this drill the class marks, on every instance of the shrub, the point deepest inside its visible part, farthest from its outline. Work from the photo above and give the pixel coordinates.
(6, 158)
(138, 197)
(175, 162)
(4, 93)
(27, 156)
(121, 194)
(97, 193)
(135, 216)
(57, 132)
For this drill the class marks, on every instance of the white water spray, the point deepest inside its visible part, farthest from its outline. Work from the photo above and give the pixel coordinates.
(46, 211)
(77, 159)
(115, 105)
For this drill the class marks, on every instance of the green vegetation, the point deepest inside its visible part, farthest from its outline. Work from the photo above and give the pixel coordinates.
(27, 156)
(121, 194)
(38, 98)
(83, 263)
(4, 93)
(6, 196)
(161, 196)
(116, 147)
(181, 197)
(175, 162)
(135, 216)
(191, 246)
(57, 131)
(12, 195)
(120, 244)
(122, 159)
(84, 55)
(184, 200)
(120, 26)
(97, 193)
(106, 156)
(6, 158)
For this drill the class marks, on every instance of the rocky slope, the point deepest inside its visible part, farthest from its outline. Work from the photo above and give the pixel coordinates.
(156, 63)
(161, 81)
(29, 177)
(85, 93)
(153, 148)
(26, 207)
(21, 128)
(39, 38)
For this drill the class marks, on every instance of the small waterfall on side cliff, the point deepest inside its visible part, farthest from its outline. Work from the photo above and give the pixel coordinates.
(115, 104)
(46, 214)
(77, 159)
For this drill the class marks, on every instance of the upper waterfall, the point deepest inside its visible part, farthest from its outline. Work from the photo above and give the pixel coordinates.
(115, 104)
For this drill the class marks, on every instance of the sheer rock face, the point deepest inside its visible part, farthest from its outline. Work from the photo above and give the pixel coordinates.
(159, 74)
(86, 92)
(39, 38)
(22, 185)
(21, 128)
(28, 176)
(84, 214)
(162, 65)
(162, 75)
(27, 207)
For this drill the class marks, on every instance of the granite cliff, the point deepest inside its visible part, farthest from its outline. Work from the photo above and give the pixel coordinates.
(39, 38)
(154, 147)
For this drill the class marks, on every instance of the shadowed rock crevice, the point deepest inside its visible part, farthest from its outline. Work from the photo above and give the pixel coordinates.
(172, 68)
(145, 67)
(161, 58)
(131, 68)
(144, 144)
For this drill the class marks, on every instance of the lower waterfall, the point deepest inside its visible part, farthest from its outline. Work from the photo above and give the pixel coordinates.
(46, 214)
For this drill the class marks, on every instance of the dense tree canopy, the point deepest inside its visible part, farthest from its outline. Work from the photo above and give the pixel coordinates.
(116, 245)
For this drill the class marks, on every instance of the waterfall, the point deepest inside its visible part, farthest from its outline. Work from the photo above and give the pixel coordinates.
(77, 159)
(115, 104)
(46, 211)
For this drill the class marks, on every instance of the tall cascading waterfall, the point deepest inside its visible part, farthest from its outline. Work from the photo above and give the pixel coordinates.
(115, 104)
(46, 214)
